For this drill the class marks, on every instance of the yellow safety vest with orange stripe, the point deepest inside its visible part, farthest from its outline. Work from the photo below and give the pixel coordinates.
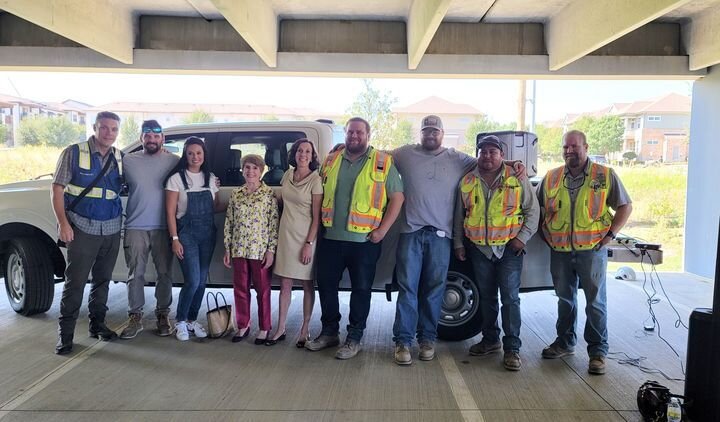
(497, 221)
(584, 226)
(369, 197)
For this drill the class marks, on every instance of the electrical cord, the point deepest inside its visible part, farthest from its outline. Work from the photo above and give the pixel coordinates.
(651, 300)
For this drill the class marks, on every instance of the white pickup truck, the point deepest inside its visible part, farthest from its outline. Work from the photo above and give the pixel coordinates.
(31, 262)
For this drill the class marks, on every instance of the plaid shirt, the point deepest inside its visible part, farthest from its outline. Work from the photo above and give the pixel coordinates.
(63, 175)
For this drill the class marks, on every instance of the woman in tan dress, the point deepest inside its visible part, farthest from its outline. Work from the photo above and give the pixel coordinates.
(301, 196)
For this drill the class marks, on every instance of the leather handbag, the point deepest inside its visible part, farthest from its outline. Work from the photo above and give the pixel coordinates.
(220, 319)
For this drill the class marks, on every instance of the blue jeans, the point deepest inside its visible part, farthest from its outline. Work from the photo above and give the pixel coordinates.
(589, 269)
(499, 274)
(333, 257)
(196, 230)
(422, 264)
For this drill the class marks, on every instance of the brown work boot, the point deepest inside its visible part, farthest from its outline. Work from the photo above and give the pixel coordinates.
(134, 327)
(556, 351)
(427, 351)
(597, 365)
(402, 354)
(511, 361)
(485, 347)
(163, 323)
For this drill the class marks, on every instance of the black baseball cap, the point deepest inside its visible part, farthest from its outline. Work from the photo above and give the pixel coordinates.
(490, 141)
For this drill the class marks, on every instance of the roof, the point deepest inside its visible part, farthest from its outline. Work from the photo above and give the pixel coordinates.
(437, 105)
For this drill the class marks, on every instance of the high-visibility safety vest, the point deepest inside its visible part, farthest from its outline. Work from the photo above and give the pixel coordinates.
(584, 226)
(494, 222)
(103, 201)
(369, 197)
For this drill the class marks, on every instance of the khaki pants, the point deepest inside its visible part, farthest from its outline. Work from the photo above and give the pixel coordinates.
(138, 245)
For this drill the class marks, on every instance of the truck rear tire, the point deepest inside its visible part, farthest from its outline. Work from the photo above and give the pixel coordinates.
(460, 317)
(29, 278)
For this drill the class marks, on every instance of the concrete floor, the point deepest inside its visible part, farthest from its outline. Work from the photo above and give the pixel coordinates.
(154, 378)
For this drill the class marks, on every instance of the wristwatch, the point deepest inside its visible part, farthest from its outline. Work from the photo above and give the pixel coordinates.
(309, 242)
(610, 234)
(174, 238)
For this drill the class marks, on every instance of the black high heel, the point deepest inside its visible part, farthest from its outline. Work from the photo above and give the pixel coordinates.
(270, 342)
(301, 343)
(237, 338)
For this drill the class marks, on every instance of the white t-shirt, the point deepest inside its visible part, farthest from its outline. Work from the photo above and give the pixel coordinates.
(195, 184)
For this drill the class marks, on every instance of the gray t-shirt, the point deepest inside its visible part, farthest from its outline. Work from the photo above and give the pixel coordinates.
(430, 179)
(145, 174)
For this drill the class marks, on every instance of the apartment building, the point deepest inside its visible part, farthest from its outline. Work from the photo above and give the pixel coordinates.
(14, 110)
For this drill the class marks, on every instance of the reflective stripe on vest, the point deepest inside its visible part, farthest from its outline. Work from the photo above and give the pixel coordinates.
(369, 197)
(584, 226)
(495, 222)
(84, 161)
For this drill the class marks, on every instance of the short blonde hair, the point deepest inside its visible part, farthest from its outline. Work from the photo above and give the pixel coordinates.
(253, 159)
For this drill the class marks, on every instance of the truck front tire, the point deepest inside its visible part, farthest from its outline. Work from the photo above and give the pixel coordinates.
(460, 317)
(29, 278)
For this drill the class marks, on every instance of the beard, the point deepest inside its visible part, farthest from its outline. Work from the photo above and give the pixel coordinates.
(151, 148)
(356, 148)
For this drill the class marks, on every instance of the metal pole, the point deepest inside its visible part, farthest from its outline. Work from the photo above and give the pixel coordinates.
(534, 106)
(520, 125)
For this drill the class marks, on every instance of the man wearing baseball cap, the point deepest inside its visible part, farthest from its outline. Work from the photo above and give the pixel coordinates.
(430, 174)
(498, 213)
(146, 229)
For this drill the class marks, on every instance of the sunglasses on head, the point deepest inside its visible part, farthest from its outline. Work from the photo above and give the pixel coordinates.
(152, 129)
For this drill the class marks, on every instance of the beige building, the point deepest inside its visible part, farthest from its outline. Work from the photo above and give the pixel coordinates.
(456, 117)
(13, 110)
(656, 129)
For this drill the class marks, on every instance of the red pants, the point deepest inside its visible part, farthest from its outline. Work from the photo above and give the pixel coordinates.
(245, 270)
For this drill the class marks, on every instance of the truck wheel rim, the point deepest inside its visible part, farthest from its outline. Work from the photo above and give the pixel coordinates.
(460, 301)
(16, 275)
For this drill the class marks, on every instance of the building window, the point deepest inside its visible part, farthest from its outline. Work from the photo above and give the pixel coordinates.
(653, 118)
(652, 142)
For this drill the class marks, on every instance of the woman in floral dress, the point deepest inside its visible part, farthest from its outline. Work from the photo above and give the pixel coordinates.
(251, 232)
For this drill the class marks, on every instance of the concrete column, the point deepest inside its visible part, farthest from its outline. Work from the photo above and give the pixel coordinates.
(703, 202)
(16, 125)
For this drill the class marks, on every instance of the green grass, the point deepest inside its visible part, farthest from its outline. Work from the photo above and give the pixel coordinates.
(24, 163)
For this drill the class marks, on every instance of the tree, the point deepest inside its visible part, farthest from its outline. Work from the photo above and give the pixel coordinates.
(483, 124)
(603, 134)
(129, 131)
(403, 133)
(54, 131)
(30, 131)
(269, 118)
(60, 132)
(199, 116)
(550, 140)
(374, 106)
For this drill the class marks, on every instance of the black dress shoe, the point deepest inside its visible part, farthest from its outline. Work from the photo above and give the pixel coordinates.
(237, 338)
(101, 331)
(271, 342)
(301, 343)
(63, 346)
(260, 341)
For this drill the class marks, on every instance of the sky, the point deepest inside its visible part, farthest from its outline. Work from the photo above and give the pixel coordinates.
(496, 98)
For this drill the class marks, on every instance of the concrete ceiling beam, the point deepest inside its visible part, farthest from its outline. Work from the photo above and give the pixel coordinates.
(256, 22)
(423, 21)
(583, 26)
(702, 39)
(96, 24)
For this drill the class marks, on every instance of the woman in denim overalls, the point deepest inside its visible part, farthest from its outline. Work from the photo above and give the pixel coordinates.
(190, 203)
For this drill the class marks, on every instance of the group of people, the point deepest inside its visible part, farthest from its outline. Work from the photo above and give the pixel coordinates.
(356, 195)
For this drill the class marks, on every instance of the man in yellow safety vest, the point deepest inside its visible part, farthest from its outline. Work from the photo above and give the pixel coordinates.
(497, 212)
(362, 198)
(577, 224)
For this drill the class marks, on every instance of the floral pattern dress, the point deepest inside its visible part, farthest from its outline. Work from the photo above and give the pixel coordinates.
(251, 223)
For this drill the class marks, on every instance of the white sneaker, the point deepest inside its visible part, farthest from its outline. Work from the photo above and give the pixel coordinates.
(197, 329)
(181, 331)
